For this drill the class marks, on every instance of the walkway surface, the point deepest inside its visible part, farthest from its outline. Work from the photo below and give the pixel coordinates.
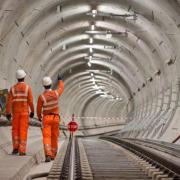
(14, 167)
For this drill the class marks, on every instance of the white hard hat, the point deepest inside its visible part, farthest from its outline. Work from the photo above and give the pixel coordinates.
(20, 74)
(47, 81)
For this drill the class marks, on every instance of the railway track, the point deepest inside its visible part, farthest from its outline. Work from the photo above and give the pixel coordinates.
(99, 159)
(168, 148)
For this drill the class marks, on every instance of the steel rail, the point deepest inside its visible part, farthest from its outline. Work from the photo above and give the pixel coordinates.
(71, 165)
(71, 174)
(167, 166)
(66, 163)
(68, 167)
(169, 148)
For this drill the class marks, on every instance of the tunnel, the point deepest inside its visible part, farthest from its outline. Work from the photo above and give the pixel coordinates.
(119, 61)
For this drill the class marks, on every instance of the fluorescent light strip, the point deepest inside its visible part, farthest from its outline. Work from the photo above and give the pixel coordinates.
(92, 27)
(94, 13)
(91, 50)
(89, 64)
(91, 40)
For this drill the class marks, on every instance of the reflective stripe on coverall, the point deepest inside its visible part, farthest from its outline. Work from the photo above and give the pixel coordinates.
(19, 100)
(48, 106)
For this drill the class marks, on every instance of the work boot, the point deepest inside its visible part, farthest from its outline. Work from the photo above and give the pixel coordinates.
(15, 151)
(52, 158)
(48, 159)
(22, 154)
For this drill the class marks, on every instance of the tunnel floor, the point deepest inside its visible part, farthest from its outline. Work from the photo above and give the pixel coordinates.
(109, 161)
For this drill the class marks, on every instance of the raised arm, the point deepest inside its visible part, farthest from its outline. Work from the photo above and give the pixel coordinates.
(60, 85)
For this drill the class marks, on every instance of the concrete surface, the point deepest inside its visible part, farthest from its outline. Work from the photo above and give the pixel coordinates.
(42, 167)
(14, 167)
(134, 78)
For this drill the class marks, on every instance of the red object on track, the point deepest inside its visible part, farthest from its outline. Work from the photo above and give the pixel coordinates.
(72, 126)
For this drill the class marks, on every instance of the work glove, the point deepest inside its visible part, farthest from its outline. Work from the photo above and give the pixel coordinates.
(8, 116)
(31, 115)
(59, 77)
(40, 120)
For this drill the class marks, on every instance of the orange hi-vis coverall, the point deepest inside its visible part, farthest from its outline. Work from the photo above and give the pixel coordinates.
(19, 100)
(48, 102)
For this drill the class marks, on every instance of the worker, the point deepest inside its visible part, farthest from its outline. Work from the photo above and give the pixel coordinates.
(72, 126)
(48, 113)
(19, 101)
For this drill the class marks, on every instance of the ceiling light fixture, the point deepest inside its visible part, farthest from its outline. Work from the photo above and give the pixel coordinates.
(92, 27)
(95, 87)
(91, 40)
(90, 57)
(110, 47)
(98, 92)
(98, 58)
(129, 16)
(94, 13)
(95, 32)
(89, 64)
(106, 33)
(91, 50)
(101, 46)
(109, 35)
(64, 47)
(104, 95)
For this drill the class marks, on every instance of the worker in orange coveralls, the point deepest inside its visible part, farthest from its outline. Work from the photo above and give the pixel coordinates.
(19, 100)
(48, 106)
(72, 126)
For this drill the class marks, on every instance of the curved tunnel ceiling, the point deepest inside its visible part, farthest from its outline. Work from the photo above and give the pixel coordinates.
(109, 52)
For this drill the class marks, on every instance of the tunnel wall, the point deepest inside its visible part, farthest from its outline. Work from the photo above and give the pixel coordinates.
(32, 35)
